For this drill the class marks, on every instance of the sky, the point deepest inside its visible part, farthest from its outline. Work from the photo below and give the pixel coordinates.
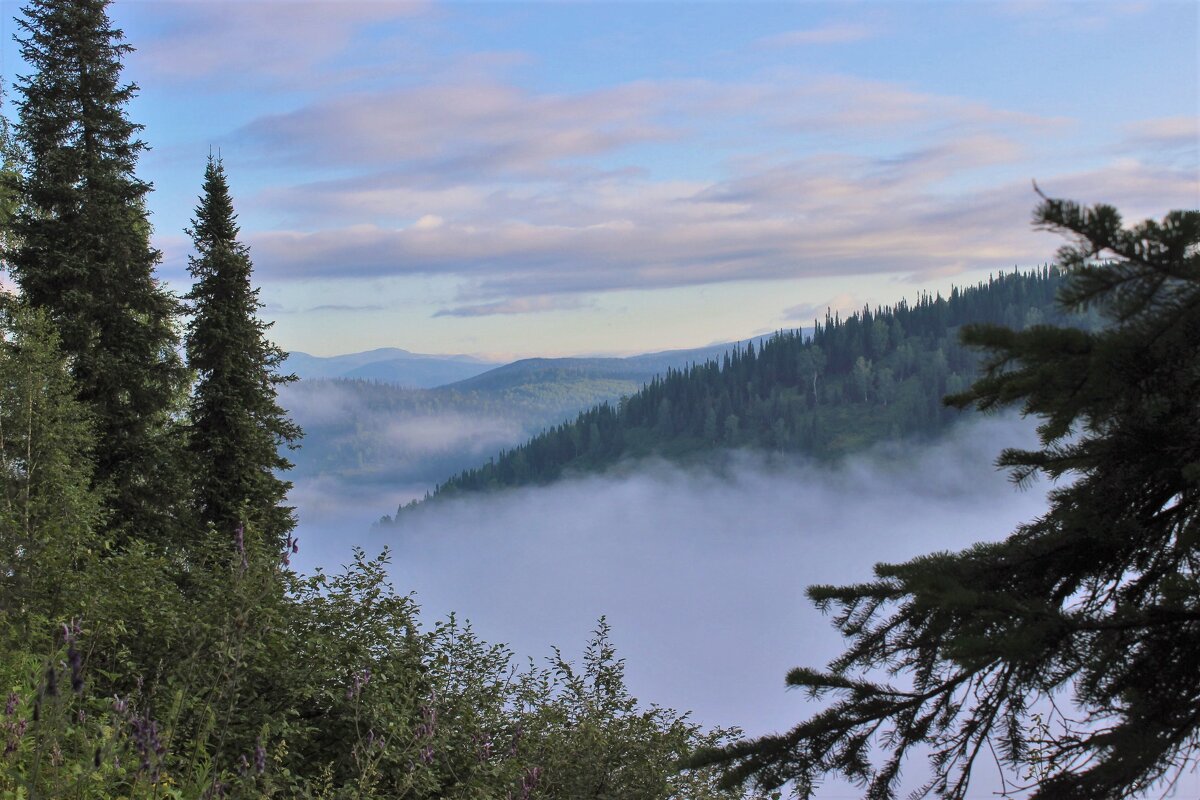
(519, 179)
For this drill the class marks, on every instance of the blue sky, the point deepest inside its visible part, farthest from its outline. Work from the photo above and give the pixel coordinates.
(556, 178)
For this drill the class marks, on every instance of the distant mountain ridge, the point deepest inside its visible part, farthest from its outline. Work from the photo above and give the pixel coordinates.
(366, 421)
(389, 365)
(633, 369)
(468, 373)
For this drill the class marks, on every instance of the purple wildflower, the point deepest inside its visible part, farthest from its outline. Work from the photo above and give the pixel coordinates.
(147, 743)
(75, 662)
(71, 631)
(10, 708)
(260, 758)
(428, 725)
(356, 687)
(290, 547)
(426, 754)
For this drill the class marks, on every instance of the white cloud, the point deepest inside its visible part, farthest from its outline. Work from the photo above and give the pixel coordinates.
(428, 221)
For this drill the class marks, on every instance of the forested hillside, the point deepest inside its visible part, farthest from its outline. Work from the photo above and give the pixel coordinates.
(377, 431)
(875, 375)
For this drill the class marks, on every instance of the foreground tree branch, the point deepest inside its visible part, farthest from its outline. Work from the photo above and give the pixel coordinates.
(1098, 601)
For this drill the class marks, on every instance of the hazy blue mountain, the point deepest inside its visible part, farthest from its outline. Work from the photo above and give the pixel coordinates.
(631, 371)
(389, 365)
(359, 424)
(469, 374)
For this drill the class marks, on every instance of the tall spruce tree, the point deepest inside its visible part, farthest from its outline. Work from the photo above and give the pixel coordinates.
(82, 252)
(237, 427)
(1069, 650)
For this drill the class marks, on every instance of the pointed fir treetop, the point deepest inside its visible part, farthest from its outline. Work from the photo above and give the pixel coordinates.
(82, 252)
(237, 425)
(73, 105)
(215, 224)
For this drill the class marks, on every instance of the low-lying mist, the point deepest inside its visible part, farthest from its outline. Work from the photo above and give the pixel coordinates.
(701, 572)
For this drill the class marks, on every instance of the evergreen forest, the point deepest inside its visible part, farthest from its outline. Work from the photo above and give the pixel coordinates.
(877, 375)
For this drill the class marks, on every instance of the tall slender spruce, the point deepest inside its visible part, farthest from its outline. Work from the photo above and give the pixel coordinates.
(238, 427)
(81, 250)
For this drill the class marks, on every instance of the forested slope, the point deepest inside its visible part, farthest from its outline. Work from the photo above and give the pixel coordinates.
(377, 431)
(875, 375)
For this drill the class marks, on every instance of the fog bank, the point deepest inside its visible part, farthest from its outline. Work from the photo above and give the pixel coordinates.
(701, 572)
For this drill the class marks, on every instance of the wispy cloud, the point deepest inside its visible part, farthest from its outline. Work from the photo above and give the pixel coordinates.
(448, 133)
(833, 33)
(935, 273)
(819, 216)
(1171, 131)
(345, 307)
(1048, 16)
(528, 197)
(516, 305)
(870, 108)
(1170, 140)
(505, 187)
(260, 42)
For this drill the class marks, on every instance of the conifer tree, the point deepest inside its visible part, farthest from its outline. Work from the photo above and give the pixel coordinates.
(48, 510)
(82, 252)
(10, 179)
(1094, 605)
(237, 427)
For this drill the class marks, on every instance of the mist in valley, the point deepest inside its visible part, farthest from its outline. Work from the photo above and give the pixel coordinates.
(700, 571)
